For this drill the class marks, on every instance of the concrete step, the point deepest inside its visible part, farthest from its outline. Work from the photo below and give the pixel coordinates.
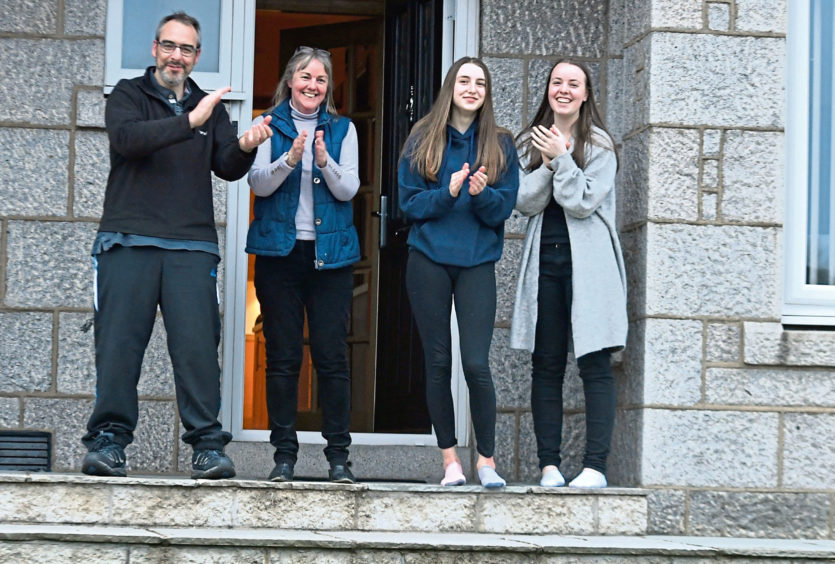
(43, 498)
(44, 544)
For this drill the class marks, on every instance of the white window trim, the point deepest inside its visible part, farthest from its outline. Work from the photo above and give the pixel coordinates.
(231, 49)
(803, 304)
(465, 13)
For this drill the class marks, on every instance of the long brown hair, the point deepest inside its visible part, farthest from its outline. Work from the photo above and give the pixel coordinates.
(589, 116)
(428, 139)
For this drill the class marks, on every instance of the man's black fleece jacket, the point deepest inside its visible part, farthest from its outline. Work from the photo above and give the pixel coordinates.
(160, 181)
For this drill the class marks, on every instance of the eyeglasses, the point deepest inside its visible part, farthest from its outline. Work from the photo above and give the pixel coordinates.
(305, 49)
(169, 47)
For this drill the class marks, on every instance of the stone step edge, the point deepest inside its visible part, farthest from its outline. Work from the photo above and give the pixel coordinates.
(456, 542)
(371, 486)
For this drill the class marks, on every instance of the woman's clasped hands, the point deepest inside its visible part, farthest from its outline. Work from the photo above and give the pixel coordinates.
(478, 180)
(549, 141)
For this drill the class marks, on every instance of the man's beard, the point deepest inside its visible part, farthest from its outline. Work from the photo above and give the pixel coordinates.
(172, 80)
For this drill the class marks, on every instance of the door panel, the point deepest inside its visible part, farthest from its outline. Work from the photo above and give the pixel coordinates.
(413, 56)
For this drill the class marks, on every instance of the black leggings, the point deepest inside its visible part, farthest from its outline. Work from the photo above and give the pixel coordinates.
(553, 331)
(431, 287)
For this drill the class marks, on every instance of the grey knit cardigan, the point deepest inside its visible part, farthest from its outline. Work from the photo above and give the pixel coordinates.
(598, 307)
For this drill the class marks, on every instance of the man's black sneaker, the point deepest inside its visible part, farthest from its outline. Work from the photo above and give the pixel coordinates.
(283, 472)
(211, 465)
(106, 457)
(341, 474)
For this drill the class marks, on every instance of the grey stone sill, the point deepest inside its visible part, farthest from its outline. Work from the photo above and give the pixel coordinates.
(769, 344)
(348, 540)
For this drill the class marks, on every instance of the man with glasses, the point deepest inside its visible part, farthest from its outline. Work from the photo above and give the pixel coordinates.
(157, 247)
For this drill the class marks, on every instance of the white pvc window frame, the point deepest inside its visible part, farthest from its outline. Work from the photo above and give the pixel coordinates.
(461, 15)
(803, 303)
(231, 48)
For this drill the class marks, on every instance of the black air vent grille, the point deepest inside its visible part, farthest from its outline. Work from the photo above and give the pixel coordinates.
(25, 450)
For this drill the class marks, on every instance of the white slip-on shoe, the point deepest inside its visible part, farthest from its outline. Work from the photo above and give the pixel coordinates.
(454, 475)
(589, 478)
(490, 478)
(552, 478)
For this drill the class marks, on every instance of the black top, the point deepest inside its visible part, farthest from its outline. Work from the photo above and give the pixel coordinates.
(160, 182)
(554, 228)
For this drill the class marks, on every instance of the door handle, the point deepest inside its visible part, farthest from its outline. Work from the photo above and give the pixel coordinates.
(383, 214)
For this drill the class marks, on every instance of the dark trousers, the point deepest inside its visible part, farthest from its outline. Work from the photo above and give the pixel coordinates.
(553, 330)
(131, 283)
(287, 287)
(431, 287)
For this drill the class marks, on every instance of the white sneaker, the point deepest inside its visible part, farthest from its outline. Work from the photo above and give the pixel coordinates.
(589, 478)
(552, 478)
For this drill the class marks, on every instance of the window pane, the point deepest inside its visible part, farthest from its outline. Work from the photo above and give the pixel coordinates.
(140, 23)
(820, 260)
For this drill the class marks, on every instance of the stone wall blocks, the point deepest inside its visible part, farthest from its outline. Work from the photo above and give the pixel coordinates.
(637, 18)
(505, 449)
(672, 362)
(54, 503)
(37, 82)
(329, 510)
(511, 371)
(769, 344)
(85, 17)
(684, 87)
(90, 105)
(407, 511)
(673, 179)
(710, 448)
(750, 514)
(718, 16)
(92, 153)
(503, 515)
(623, 466)
(761, 15)
(537, 27)
(26, 16)
(666, 512)
(33, 171)
(695, 270)
(25, 352)
(634, 245)
(753, 171)
(507, 275)
(507, 77)
(153, 448)
(808, 450)
(48, 264)
(621, 516)
(9, 413)
(216, 507)
(66, 419)
(633, 180)
(45, 552)
(779, 387)
(681, 14)
(723, 342)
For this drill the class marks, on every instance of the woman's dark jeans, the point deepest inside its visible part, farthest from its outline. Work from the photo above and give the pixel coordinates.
(286, 287)
(431, 287)
(553, 331)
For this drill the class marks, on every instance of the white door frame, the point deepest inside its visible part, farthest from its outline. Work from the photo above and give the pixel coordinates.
(461, 15)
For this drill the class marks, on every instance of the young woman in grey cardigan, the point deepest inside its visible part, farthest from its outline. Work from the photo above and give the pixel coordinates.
(572, 283)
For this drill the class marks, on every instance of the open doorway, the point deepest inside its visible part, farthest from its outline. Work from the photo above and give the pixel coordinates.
(386, 56)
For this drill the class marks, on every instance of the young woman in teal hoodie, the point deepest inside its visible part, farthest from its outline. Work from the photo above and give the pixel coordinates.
(458, 178)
